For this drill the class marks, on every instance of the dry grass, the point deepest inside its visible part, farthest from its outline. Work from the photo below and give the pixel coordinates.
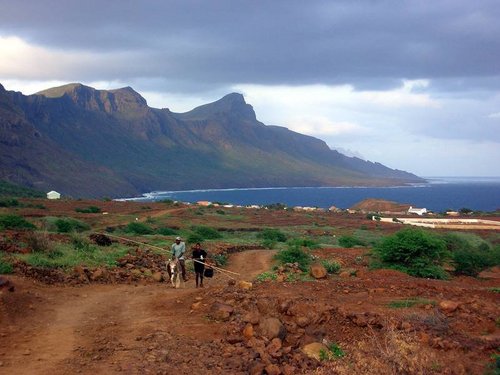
(387, 352)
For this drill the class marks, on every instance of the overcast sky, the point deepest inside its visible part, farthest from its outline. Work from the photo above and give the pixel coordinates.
(414, 85)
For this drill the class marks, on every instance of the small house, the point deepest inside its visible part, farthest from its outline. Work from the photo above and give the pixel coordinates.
(418, 211)
(53, 195)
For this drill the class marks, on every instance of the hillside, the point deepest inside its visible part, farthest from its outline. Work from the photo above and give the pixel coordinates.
(87, 142)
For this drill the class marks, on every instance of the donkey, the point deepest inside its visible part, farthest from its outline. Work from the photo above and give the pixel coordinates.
(173, 273)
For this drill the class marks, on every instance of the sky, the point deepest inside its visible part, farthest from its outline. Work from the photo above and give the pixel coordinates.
(414, 85)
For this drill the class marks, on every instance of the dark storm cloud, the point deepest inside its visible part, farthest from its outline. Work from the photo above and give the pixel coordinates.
(369, 44)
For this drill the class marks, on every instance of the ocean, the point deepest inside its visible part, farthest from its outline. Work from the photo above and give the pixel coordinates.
(438, 194)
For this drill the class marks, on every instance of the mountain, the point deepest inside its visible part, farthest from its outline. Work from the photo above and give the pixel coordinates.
(87, 142)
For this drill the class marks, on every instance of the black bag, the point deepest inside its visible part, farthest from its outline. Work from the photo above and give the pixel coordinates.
(209, 272)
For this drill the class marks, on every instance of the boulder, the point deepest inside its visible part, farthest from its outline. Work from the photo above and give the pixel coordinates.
(99, 274)
(271, 328)
(314, 349)
(318, 271)
(252, 317)
(244, 285)
(221, 311)
(273, 369)
(248, 331)
(157, 276)
(448, 306)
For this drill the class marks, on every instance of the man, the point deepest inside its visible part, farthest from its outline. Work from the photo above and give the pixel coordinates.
(178, 250)
(199, 256)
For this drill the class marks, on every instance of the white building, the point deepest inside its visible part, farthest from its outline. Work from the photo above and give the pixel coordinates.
(418, 211)
(53, 195)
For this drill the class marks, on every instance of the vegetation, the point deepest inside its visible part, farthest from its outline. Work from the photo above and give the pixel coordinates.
(470, 254)
(138, 228)
(350, 241)
(414, 251)
(220, 259)
(294, 254)
(270, 237)
(334, 351)
(207, 233)
(5, 267)
(9, 202)
(88, 210)
(68, 225)
(410, 302)
(331, 266)
(10, 221)
(8, 189)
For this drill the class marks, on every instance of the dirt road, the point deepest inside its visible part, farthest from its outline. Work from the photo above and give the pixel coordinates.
(111, 329)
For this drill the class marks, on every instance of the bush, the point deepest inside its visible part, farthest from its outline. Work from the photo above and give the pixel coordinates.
(68, 225)
(39, 242)
(9, 202)
(5, 267)
(138, 228)
(350, 241)
(88, 210)
(294, 254)
(220, 259)
(165, 231)
(207, 232)
(194, 238)
(414, 251)
(331, 266)
(82, 243)
(14, 222)
(472, 261)
(272, 235)
(305, 242)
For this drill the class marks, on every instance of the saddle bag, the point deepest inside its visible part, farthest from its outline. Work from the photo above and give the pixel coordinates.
(209, 272)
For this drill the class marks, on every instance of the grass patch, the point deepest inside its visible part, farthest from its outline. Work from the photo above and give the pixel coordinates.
(207, 233)
(220, 259)
(410, 302)
(294, 254)
(333, 352)
(138, 228)
(266, 276)
(71, 255)
(350, 241)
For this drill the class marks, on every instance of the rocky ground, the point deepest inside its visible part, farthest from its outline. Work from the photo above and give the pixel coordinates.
(272, 327)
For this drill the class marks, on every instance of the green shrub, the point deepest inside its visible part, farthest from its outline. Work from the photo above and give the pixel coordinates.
(9, 202)
(472, 261)
(268, 244)
(10, 221)
(294, 254)
(138, 228)
(414, 251)
(410, 302)
(82, 243)
(266, 276)
(331, 266)
(305, 242)
(88, 210)
(167, 201)
(165, 231)
(220, 259)
(350, 241)
(273, 235)
(221, 212)
(207, 232)
(68, 225)
(194, 238)
(5, 267)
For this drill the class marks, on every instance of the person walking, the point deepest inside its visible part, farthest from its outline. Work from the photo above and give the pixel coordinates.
(199, 256)
(178, 250)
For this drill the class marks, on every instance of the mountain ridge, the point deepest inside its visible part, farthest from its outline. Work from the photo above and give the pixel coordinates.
(127, 147)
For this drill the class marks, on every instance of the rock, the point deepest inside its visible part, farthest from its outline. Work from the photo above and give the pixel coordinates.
(196, 305)
(245, 285)
(289, 370)
(281, 278)
(248, 331)
(271, 328)
(318, 271)
(257, 368)
(302, 321)
(157, 276)
(99, 274)
(273, 349)
(273, 369)
(314, 349)
(345, 274)
(448, 306)
(252, 317)
(221, 311)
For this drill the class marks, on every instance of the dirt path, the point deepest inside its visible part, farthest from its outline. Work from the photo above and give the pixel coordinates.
(110, 329)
